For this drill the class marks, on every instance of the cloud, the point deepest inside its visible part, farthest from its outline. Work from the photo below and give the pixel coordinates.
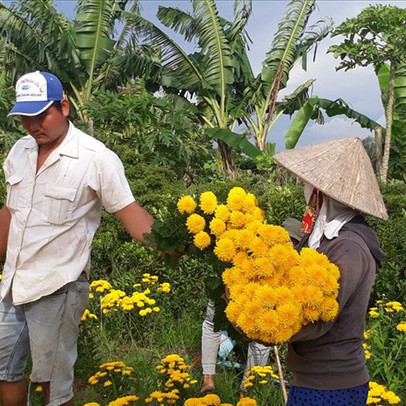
(358, 87)
(337, 127)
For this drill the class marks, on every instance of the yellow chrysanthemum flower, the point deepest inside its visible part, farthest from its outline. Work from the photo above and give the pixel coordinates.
(246, 323)
(243, 238)
(311, 313)
(233, 275)
(217, 226)
(253, 225)
(208, 202)
(273, 235)
(240, 257)
(211, 400)
(283, 334)
(258, 214)
(225, 250)
(237, 219)
(283, 256)
(268, 322)
(258, 247)
(237, 290)
(253, 309)
(249, 203)
(289, 313)
(247, 402)
(264, 267)
(186, 204)
(202, 240)
(316, 275)
(222, 212)
(236, 198)
(195, 223)
(401, 326)
(234, 310)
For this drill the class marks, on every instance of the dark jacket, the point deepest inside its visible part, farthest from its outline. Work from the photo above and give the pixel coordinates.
(330, 355)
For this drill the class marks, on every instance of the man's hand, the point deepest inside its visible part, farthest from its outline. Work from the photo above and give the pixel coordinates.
(5, 219)
(136, 220)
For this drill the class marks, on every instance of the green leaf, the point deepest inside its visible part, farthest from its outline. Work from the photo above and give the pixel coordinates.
(234, 140)
(284, 51)
(215, 47)
(95, 21)
(332, 108)
(298, 124)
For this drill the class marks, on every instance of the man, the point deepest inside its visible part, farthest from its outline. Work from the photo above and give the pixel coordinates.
(327, 360)
(58, 179)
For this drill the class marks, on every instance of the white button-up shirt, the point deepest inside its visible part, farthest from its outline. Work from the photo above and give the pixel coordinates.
(56, 211)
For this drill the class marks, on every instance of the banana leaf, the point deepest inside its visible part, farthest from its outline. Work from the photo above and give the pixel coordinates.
(332, 108)
(234, 140)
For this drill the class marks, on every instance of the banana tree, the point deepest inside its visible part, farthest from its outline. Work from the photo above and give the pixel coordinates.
(214, 76)
(293, 41)
(397, 163)
(83, 53)
(376, 37)
(219, 74)
(259, 108)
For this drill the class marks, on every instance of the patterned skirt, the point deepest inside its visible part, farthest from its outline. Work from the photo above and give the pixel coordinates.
(314, 397)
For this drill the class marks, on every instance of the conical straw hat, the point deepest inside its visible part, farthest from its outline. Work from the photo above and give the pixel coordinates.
(341, 169)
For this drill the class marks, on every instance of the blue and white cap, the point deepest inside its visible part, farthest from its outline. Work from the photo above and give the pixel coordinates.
(35, 92)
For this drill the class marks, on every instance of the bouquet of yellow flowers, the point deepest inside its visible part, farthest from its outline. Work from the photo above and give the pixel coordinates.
(273, 290)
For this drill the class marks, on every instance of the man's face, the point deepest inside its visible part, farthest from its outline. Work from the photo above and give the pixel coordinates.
(49, 127)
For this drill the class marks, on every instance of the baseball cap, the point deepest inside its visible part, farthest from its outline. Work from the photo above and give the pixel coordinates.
(35, 92)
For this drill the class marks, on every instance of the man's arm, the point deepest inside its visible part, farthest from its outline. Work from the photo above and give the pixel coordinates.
(136, 220)
(5, 218)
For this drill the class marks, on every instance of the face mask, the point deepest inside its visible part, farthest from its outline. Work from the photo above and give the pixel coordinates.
(308, 190)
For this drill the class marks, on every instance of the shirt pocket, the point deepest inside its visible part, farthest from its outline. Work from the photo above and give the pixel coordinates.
(60, 203)
(15, 190)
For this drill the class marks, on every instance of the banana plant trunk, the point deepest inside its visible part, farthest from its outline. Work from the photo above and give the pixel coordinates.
(227, 160)
(389, 120)
(378, 151)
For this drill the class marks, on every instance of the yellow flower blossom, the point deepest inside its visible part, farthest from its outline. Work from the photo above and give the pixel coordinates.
(123, 401)
(208, 202)
(237, 219)
(186, 204)
(100, 286)
(236, 198)
(87, 315)
(379, 393)
(225, 250)
(195, 223)
(217, 226)
(222, 212)
(202, 240)
(247, 402)
(401, 326)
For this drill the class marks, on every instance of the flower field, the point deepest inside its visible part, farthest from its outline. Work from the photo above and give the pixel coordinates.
(141, 335)
(173, 381)
(134, 349)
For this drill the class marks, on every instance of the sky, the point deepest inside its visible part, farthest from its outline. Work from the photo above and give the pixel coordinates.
(358, 87)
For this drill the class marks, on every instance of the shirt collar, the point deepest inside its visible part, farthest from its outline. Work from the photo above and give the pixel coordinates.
(69, 146)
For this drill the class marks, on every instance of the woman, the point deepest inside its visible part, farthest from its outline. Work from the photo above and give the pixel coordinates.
(327, 360)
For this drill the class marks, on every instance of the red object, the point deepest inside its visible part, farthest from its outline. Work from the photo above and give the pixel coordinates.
(312, 208)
